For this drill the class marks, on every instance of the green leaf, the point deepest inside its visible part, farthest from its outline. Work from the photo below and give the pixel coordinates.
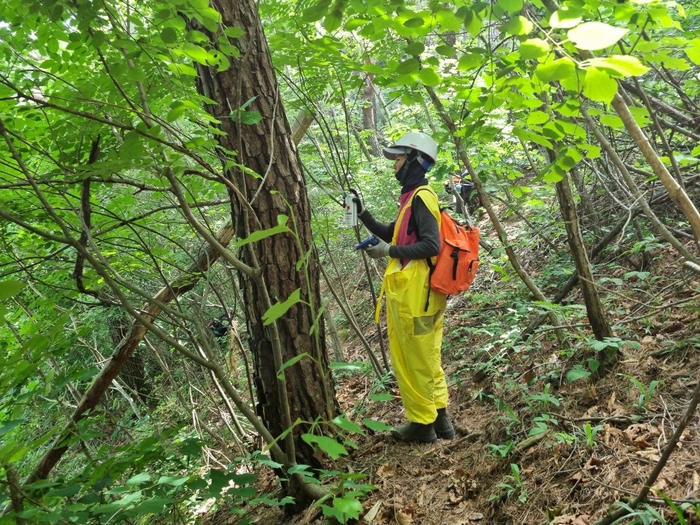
(350, 367)
(263, 234)
(294, 360)
(408, 66)
(596, 35)
(349, 507)
(511, 6)
(599, 86)
(168, 35)
(343, 422)
(175, 481)
(470, 61)
(416, 21)
(10, 287)
(537, 117)
(139, 478)
(381, 397)
(556, 69)
(277, 310)
(566, 17)
(620, 65)
(414, 48)
(333, 20)
(518, 25)
(613, 121)
(326, 444)
(693, 51)
(153, 506)
(534, 48)
(234, 32)
(448, 20)
(446, 51)
(250, 117)
(429, 77)
(7, 427)
(375, 425)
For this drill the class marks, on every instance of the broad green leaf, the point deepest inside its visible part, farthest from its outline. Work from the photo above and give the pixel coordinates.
(317, 12)
(349, 507)
(375, 425)
(592, 36)
(168, 35)
(175, 481)
(473, 23)
(534, 48)
(343, 422)
(446, 51)
(539, 139)
(511, 6)
(553, 175)
(429, 77)
(294, 360)
(556, 69)
(326, 444)
(277, 310)
(599, 86)
(250, 117)
(139, 478)
(448, 20)
(333, 20)
(693, 51)
(566, 17)
(613, 121)
(10, 287)
(620, 65)
(414, 48)
(234, 32)
(537, 117)
(518, 25)
(416, 21)
(470, 61)
(592, 151)
(7, 427)
(153, 506)
(408, 66)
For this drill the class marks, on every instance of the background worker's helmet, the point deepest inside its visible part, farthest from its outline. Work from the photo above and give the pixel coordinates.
(416, 140)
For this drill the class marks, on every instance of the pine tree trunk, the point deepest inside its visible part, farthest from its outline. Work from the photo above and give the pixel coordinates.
(268, 149)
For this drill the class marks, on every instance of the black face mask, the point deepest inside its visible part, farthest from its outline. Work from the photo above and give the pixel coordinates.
(412, 173)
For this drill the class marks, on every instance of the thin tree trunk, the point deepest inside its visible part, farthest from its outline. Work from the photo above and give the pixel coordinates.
(594, 307)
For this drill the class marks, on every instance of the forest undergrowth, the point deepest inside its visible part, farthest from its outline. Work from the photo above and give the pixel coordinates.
(540, 437)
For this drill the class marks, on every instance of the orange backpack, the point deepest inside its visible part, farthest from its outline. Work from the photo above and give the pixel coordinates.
(458, 260)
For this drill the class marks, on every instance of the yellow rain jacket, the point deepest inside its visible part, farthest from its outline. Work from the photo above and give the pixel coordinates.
(415, 332)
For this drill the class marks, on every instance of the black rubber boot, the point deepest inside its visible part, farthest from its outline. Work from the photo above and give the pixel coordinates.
(415, 432)
(443, 426)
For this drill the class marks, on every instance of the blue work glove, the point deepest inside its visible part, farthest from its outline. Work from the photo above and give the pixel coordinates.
(358, 202)
(378, 251)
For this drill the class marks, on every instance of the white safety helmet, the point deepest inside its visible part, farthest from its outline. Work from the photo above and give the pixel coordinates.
(414, 140)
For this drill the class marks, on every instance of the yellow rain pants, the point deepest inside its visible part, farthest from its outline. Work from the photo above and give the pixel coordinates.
(415, 334)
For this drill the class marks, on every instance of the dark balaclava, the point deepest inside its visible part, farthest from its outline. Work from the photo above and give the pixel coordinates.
(412, 173)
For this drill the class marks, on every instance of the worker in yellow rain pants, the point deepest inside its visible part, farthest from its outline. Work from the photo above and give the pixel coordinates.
(414, 312)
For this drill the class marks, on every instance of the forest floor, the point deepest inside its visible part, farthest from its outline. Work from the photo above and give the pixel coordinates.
(567, 479)
(601, 440)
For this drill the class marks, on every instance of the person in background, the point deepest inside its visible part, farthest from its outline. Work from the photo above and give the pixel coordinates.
(415, 313)
(466, 190)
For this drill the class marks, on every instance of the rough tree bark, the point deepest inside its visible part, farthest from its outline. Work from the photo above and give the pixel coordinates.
(267, 148)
